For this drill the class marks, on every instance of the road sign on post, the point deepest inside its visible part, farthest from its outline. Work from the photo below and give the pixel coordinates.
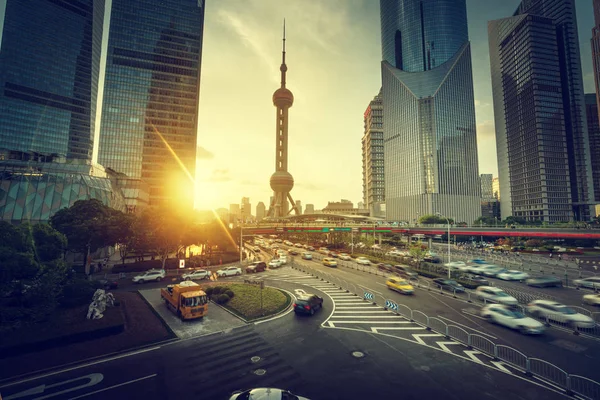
(181, 263)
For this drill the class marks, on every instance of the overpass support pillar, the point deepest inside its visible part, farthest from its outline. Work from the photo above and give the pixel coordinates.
(429, 242)
(380, 239)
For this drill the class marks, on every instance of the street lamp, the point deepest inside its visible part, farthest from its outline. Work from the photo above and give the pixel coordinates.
(440, 215)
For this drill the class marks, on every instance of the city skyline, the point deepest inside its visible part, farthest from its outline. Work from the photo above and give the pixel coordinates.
(329, 106)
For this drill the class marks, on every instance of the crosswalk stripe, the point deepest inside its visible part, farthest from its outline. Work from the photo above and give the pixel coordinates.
(363, 316)
(409, 328)
(373, 322)
(362, 312)
(355, 306)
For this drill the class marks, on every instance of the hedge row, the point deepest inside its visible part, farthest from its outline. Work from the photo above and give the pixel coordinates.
(219, 294)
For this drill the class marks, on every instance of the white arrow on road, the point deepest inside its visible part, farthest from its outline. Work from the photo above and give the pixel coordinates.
(471, 355)
(419, 336)
(444, 344)
(93, 379)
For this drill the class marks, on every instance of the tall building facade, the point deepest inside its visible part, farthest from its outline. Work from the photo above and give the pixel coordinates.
(541, 135)
(151, 92)
(49, 72)
(490, 207)
(261, 211)
(310, 209)
(235, 214)
(372, 157)
(593, 125)
(487, 190)
(299, 207)
(496, 188)
(430, 143)
(246, 208)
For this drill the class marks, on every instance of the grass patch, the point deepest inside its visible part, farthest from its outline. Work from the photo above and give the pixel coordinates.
(246, 302)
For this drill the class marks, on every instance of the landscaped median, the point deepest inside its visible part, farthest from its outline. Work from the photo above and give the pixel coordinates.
(246, 300)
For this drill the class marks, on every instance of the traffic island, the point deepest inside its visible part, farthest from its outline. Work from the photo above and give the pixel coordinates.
(252, 301)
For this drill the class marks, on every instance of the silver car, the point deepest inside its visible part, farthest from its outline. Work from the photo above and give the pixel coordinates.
(266, 394)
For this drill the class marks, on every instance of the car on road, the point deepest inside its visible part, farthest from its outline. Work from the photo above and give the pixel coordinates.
(334, 254)
(400, 285)
(503, 315)
(151, 275)
(592, 282)
(479, 269)
(592, 299)
(345, 257)
(292, 252)
(310, 248)
(477, 261)
(307, 303)
(307, 256)
(275, 263)
(384, 267)
(513, 275)
(229, 271)
(493, 272)
(405, 271)
(107, 284)
(475, 279)
(258, 266)
(495, 295)
(283, 259)
(363, 261)
(544, 281)
(197, 274)
(430, 257)
(324, 250)
(449, 284)
(329, 262)
(456, 265)
(265, 394)
(555, 311)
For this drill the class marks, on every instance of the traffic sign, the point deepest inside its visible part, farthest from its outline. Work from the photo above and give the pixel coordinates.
(391, 305)
(342, 229)
(368, 296)
(181, 263)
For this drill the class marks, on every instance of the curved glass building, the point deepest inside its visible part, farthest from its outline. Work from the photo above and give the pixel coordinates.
(430, 143)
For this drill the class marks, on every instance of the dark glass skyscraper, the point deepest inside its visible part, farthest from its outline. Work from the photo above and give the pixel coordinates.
(593, 125)
(430, 143)
(151, 92)
(541, 133)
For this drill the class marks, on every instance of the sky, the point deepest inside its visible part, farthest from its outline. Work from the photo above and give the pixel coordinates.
(333, 59)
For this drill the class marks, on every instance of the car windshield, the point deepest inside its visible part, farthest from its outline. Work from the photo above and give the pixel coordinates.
(402, 282)
(501, 294)
(567, 310)
(450, 283)
(518, 315)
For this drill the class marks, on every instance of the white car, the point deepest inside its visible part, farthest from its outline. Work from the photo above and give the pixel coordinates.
(592, 299)
(266, 394)
(495, 271)
(363, 261)
(151, 275)
(275, 263)
(502, 315)
(283, 259)
(345, 257)
(513, 275)
(307, 256)
(229, 271)
(592, 282)
(495, 295)
(555, 311)
(456, 265)
(199, 274)
(480, 269)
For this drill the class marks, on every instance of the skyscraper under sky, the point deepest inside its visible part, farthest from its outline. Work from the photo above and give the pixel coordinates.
(372, 158)
(430, 138)
(541, 134)
(151, 92)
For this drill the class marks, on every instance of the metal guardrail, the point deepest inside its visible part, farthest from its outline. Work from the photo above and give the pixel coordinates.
(571, 384)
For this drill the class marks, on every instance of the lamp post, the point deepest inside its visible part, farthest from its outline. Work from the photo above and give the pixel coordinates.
(440, 215)
(241, 241)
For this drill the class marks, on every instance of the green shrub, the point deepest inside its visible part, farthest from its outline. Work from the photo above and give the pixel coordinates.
(229, 293)
(217, 290)
(78, 292)
(209, 291)
(221, 298)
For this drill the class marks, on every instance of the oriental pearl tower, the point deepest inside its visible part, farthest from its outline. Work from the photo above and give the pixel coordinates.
(282, 181)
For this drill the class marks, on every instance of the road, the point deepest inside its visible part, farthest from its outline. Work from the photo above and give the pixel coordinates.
(300, 353)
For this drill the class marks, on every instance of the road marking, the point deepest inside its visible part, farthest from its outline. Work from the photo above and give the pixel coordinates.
(370, 290)
(356, 306)
(500, 366)
(468, 327)
(419, 336)
(471, 354)
(410, 328)
(92, 379)
(444, 344)
(375, 322)
(331, 325)
(364, 312)
(364, 316)
(350, 301)
(112, 387)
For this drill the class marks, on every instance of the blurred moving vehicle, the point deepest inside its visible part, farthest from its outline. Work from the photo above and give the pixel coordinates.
(400, 285)
(503, 315)
(495, 295)
(229, 271)
(477, 261)
(475, 279)
(592, 299)
(493, 272)
(544, 281)
(307, 256)
(449, 284)
(345, 257)
(265, 394)
(456, 266)
(329, 262)
(363, 261)
(592, 282)
(275, 263)
(512, 275)
(307, 303)
(560, 313)
(405, 271)
(257, 266)
(150, 275)
(197, 274)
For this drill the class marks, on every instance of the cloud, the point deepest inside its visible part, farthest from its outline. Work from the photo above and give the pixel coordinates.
(203, 154)
(220, 175)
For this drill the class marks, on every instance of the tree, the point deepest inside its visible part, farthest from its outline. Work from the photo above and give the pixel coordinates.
(485, 221)
(417, 251)
(534, 243)
(50, 244)
(514, 220)
(434, 219)
(86, 225)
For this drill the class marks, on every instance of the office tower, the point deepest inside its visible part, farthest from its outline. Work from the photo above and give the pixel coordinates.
(282, 181)
(541, 135)
(151, 91)
(223, 214)
(490, 207)
(430, 150)
(593, 125)
(261, 211)
(496, 188)
(299, 207)
(372, 157)
(487, 191)
(246, 209)
(234, 214)
(49, 71)
(309, 209)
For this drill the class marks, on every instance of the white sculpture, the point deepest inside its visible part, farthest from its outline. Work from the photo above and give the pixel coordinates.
(99, 303)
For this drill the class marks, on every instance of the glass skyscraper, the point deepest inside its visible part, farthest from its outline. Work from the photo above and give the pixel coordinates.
(593, 124)
(151, 92)
(49, 70)
(541, 133)
(372, 159)
(430, 143)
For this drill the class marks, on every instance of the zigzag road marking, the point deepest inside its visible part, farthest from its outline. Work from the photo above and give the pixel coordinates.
(376, 322)
(363, 312)
(364, 316)
(408, 328)
(471, 355)
(501, 366)
(444, 344)
(419, 336)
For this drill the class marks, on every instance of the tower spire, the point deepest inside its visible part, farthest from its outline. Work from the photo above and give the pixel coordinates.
(283, 67)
